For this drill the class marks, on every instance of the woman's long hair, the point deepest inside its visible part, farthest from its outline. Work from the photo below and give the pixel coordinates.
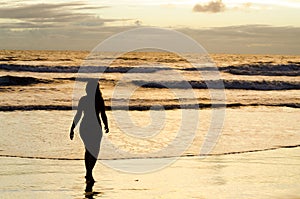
(98, 98)
(93, 88)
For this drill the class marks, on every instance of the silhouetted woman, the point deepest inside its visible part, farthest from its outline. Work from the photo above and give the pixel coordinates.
(90, 128)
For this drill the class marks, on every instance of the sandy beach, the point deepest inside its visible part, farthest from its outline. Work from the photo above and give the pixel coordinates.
(268, 174)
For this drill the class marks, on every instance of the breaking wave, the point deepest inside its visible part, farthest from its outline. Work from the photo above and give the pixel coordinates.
(211, 84)
(20, 81)
(218, 84)
(83, 69)
(254, 69)
(147, 107)
(264, 70)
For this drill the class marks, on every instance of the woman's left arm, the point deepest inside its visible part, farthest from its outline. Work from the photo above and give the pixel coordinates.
(103, 115)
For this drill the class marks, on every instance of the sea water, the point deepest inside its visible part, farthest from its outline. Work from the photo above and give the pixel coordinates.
(261, 103)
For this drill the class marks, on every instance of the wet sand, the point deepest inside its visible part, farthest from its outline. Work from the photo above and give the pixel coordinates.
(266, 174)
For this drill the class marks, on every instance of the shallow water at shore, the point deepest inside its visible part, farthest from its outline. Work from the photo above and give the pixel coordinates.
(40, 134)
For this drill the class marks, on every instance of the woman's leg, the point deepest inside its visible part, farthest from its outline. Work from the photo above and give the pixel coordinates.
(90, 162)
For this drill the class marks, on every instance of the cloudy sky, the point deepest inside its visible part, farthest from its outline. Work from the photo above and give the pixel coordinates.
(221, 26)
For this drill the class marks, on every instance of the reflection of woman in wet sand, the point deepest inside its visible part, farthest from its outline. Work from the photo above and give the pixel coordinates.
(90, 128)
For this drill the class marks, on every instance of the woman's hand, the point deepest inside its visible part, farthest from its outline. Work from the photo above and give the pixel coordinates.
(106, 129)
(71, 134)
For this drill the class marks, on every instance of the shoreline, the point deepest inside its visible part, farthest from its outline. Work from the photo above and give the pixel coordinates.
(182, 156)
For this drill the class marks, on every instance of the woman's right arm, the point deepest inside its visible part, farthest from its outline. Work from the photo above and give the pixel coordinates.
(76, 120)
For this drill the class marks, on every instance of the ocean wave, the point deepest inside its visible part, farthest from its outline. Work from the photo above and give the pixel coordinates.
(221, 84)
(20, 81)
(264, 70)
(164, 59)
(211, 84)
(42, 69)
(249, 70)
(146, 107)
(83, 69)
(158, 157)
(9, 80)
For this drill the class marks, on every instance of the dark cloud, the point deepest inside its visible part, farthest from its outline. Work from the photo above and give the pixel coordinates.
(25, 25)
(68, 38)
(38, 10)
(248, 39)
(73, 26)
(52, 15)
(138, 22)
(91, 7)
(213, 7)
(251, 39)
